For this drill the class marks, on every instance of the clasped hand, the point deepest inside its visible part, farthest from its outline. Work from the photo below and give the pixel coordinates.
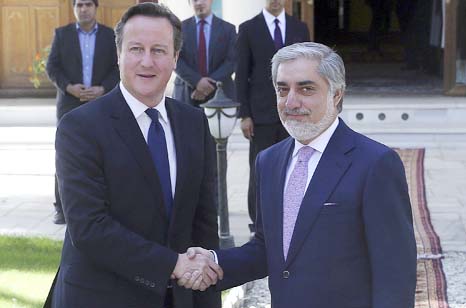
(196, 269)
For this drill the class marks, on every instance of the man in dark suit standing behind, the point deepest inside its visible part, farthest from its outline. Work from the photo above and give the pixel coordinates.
(82, 64)
(207, 56)
(135, 171)
(258, 40)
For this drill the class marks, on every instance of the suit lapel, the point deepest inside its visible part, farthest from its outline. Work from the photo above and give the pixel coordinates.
(214, 37)
(76, 48)
(191, 38)
(276, 205)
(289, 30)
(97, 51)
(127, 127)
(263, 32)
(332, 166)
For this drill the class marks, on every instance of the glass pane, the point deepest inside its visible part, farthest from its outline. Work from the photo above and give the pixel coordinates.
(461, 43)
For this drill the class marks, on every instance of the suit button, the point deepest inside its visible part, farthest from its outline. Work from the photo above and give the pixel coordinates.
(286, 274)
(152, 285)
(147, 283)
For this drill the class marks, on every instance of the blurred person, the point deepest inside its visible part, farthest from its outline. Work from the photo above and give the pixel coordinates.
(207, 56)
(258, 40)
(135, 174)
(334, 222)
(82, 65)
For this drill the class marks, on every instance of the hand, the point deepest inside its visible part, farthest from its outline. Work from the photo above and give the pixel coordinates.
(206, 85)
(197, 272)
(92, 93)
(75, 89)
(197, 95)
(247, 126)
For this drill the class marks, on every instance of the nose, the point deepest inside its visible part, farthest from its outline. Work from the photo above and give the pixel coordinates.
(146, 59)
(292, 100)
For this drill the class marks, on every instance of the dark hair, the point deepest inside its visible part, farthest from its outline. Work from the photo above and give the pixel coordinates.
(150, 10)
(96, 2)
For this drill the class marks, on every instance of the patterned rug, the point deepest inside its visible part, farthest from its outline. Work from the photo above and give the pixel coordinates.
(431, 289)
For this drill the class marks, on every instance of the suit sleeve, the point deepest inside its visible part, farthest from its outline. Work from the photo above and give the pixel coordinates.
(248, 262)
(112, 77)
(188, 74)
(225, 70)
(205, 227)
(54, 65)
(389, 234)
(242, 72)
(93, 231)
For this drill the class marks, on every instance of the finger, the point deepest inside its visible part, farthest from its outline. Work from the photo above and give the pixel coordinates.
(194, 277)
(203, 286)
(184, 279)
(210, 277)
(217, 269)
(197, 284)
(191, 252)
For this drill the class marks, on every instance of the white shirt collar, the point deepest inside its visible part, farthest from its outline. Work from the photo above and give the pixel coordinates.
(138, 108)
(208, 19)
(320, 143)
(270, 19)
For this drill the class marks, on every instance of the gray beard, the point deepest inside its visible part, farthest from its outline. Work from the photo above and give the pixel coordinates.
(304, 131)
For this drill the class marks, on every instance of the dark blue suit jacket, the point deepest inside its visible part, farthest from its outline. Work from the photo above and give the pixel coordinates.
(221, 58)
(353, 244)
(120, 247)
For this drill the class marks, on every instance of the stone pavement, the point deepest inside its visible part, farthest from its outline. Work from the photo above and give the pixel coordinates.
(27, 170)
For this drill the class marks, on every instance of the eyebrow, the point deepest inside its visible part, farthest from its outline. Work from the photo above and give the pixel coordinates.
(300, 83)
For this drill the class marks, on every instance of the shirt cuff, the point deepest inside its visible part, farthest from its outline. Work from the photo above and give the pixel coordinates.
(214, 254)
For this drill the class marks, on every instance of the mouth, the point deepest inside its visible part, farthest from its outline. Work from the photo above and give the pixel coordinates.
(146, 76)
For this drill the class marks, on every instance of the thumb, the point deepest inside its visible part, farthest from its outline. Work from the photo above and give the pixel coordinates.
(191, 253)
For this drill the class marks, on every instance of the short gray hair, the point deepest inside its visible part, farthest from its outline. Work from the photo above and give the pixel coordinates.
(331, 66)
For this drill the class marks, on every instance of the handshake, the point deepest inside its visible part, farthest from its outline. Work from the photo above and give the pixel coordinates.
(196, 269)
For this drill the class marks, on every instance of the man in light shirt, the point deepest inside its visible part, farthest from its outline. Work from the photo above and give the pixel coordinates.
(334, 223)
(136, 174)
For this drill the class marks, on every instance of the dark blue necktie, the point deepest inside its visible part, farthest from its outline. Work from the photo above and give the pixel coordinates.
(158, 149)
(277, 35)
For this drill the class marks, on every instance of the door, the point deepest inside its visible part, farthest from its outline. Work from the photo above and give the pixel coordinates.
(455, 48)
(303, 10)
(26, 28)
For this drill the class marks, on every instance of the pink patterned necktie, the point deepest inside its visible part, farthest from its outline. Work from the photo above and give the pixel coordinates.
(294, 194)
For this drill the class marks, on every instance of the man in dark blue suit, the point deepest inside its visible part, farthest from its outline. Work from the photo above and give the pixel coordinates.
(258, 40)
(334, 223)
(206, 57)
(82, 64)
(135, 173)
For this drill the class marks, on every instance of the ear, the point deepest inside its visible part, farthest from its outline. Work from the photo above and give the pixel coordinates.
(337, 96)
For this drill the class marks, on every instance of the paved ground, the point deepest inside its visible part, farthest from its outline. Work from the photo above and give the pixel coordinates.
(26, 188)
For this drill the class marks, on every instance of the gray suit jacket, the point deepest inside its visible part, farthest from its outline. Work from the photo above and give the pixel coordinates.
(221, 60)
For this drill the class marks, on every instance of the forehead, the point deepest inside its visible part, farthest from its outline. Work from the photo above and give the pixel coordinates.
(148, 29)
(84, 2)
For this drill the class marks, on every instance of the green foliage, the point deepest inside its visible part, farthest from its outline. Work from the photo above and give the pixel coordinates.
(37, 69)
(27, 268)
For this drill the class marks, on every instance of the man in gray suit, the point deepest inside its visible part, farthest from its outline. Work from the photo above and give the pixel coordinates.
(207, 56)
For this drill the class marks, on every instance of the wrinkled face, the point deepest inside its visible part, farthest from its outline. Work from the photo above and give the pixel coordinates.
(147, 57)
(85, 11)
(304, 105)
(274, 7)
(202, 8)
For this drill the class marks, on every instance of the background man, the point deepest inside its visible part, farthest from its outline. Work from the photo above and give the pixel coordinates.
(135, 173)
(258, 40)
(82, 64)
(207, 56)
(334, 224)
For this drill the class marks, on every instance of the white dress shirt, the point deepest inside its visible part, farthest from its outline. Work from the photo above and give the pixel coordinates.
(270, 21)
(319, 144)
(144, 121)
